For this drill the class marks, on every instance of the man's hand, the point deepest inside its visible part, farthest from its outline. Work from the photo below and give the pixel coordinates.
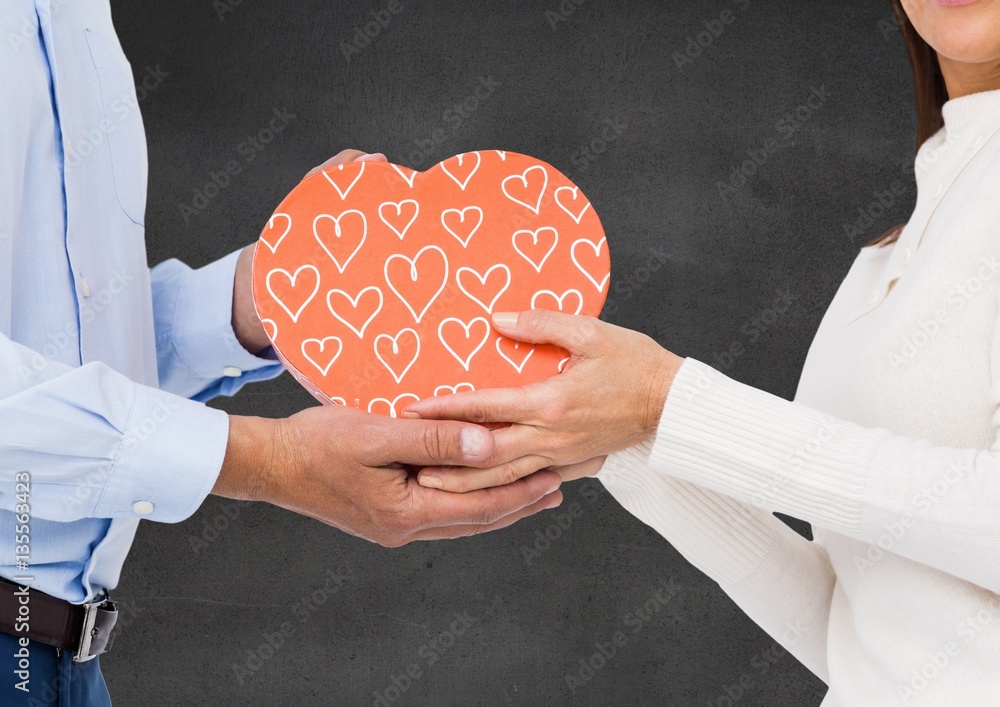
(246, 324)
(348, 469)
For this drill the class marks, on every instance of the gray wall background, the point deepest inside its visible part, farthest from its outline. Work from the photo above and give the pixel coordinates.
(206, 601)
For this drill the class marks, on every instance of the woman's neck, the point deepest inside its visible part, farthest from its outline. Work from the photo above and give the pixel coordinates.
(963, 78)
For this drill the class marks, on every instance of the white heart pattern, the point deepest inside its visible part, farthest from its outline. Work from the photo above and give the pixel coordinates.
(270, 226)
(323, 368)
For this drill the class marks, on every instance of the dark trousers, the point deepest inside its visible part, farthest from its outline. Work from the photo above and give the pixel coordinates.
(53, 681)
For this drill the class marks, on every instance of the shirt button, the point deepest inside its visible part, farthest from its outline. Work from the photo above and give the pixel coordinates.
(978, 141)
(874, 297)
(232, 372)
(907, 256)
(142, 508)
(84, 287)
(939, 191)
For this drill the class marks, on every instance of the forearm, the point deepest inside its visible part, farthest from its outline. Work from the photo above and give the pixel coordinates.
(777, 455)
(778, 578)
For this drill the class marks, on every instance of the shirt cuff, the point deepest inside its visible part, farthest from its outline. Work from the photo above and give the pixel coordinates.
(725, 539)
(764, 450)
(170, 457)
(203, 335)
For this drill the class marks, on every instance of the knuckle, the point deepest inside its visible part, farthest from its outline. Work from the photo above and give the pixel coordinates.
(563, 442)
(552, 412)
(434, 441)
(489, 512)
(529, 399)
(457, 483)
(536, 321)
(588, 331)
(479, 412)
(509, 473)
(372, 441)
(433, 409)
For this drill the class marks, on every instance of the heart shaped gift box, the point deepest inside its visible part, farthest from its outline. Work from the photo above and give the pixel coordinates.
(375, 282)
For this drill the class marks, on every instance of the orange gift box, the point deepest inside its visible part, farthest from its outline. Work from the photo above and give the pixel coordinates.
(375, 283)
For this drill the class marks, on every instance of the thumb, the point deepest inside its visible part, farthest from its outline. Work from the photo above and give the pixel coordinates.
(434, 443)
(573, 332)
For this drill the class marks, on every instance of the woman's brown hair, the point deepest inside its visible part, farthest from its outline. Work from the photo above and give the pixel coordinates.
(928, 87)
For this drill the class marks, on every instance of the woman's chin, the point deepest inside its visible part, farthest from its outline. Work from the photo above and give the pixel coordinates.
(967, 34)
(973, 47)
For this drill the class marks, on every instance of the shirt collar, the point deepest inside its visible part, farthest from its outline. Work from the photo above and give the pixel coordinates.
(969, 122)
(976, 111)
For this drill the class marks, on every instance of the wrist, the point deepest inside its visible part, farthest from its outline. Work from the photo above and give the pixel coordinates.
(252, 454)
(246, 324)
(660, 378)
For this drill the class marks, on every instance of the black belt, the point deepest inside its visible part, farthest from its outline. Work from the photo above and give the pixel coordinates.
(84, 628)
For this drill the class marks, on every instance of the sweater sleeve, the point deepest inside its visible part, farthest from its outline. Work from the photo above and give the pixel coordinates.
(779, 579)
(935, 505)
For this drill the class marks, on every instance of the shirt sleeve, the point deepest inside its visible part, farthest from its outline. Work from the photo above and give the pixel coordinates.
(198, 354)
(778, 578)
(95, 444)
(937, 504)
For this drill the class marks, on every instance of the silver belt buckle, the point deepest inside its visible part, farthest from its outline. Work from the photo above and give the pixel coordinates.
(83, 653)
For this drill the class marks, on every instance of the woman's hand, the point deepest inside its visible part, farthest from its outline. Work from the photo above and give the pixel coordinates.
(609, 396)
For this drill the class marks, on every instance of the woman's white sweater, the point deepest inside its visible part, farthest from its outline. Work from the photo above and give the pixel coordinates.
(889, 450)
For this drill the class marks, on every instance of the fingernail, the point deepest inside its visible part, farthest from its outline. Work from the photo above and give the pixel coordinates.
(554, 502)
(410, 415)
(505, 320)
(430, 481)
(554, 487)
(473, 440)
(369, 158)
